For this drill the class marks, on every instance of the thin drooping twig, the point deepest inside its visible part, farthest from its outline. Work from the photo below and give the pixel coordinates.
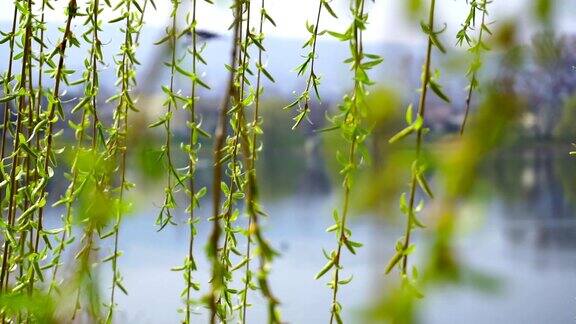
(419, 135)
(253, 228)
(91, 95)
(251, 172)
(417, 176)
(347, 183)
(350, 122)
(475, 66)
(117, 146)
(29, 178)
(165, 216)
(55, 100)
(313, 80)
(25, 219)
(219, 139)
(39, 93)
(312, 76)
(235, 178)
(7, 113)
(85, 253)
(122, 123)
(190, 262)
(5, 127)
(12, 204)
(7, 85)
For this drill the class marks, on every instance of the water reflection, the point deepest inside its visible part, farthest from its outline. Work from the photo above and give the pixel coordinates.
(540, 201)
(525, 242)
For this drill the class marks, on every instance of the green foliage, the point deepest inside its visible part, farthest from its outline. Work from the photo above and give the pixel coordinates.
(33, 287)
(313, 79)
(131, 16)
(349, 121)
(241, 183)
(476, 48)
(415, 126)
(88, 168)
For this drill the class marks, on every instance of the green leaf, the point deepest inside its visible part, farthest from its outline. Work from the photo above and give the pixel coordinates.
(404, 204)
(267, 16)
(299, 118)
(224, 188)
(401, 134)
(81, 104)
(438, 91)
(341, 37)
(161, 121)
(121, 286)
(329, 9)
(8, 98)
(117, 19)
(434, 39)
(325, 269)
(266, 73)
(393, 262)
(345, 281)
(37, 270)
(414, 220)
(240, 264)
(409, 118)
(184, 72)
(332, 228)
(351, 245)
(201, 83)
(424, 184)
(292, 104)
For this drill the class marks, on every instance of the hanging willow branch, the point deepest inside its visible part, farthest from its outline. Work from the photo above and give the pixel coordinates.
(9, 232)
(192, 150)
(350, 123)
(88, 119)
(313, 80)
(408, 206)
(117, 144)
(234, 190)
(90, 196)
(6, 84)
(217, 268)
(266, 253)
(171, 103)
(54, 104)
(476, 48)
(7, 99)
(38, 195)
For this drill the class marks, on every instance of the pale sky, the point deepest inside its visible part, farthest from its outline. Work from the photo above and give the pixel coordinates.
(388, 21)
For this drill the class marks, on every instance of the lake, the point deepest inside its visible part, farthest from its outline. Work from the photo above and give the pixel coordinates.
(522, 241)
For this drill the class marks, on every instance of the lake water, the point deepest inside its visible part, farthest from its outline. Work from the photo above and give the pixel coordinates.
(523, 239)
